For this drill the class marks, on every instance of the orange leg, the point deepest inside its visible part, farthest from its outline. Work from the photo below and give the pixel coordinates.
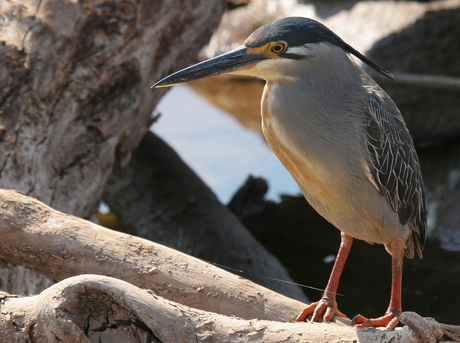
(391, 317)
(326, 308)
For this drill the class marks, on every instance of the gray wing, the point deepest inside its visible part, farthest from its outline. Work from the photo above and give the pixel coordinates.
(394, 165)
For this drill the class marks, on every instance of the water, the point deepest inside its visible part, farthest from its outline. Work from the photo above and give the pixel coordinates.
(217, 147)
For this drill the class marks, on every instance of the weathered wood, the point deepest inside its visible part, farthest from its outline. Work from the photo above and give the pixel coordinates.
(58, 245)
(75, 97)
(92, 308)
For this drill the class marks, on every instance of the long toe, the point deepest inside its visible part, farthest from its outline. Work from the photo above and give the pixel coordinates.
(320, 311)
(389, 320)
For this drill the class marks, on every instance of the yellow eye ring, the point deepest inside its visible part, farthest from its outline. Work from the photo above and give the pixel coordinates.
(278, 48)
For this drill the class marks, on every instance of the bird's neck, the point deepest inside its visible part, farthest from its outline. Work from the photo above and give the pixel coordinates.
(325, 102)
(321, 93)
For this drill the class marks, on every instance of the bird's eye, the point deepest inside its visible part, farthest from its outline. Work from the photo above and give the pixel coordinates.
(278, 48)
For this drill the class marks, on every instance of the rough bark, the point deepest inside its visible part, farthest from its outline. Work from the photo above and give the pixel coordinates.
(163, 200)
(58, 245)
(75, 97)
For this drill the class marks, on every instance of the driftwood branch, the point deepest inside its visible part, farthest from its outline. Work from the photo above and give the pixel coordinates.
(92, 308)
(40, 238)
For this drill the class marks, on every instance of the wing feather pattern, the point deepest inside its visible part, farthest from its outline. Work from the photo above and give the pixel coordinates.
(395, 167)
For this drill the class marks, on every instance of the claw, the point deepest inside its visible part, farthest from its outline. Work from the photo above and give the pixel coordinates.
(320, 311)
(389, 320)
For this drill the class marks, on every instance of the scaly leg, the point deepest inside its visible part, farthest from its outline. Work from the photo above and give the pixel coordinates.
(391, 317)
(327, 306)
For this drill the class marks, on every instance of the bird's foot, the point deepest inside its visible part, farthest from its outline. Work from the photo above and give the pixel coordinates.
(323, 310)
(389, 320)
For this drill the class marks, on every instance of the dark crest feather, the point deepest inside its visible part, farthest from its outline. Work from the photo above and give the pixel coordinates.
(297, 31)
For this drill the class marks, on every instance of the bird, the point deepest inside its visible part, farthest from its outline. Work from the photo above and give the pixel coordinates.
(343, 140)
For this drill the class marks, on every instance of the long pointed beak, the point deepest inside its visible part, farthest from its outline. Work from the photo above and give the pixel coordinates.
(231, 61)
